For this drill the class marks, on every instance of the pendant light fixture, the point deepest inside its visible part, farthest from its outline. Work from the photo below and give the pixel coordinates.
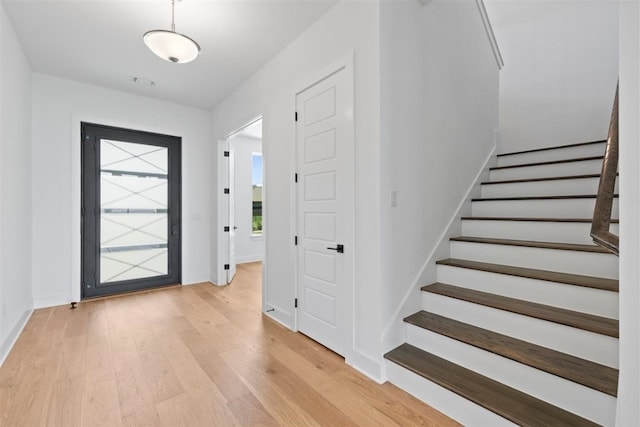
(172, 46)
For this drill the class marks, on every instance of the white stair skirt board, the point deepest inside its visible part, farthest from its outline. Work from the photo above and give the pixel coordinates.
(464, 411)
(576, 298)
(581, 400)
(584, 167)
(577, 342)
(574, 262)
(539, 208)
(555, 187)
(539, 231)
(564, 153)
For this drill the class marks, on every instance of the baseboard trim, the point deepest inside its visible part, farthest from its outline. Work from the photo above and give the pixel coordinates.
(366, 365)
(51, 301)
(205, 282)
(11, 339)
(248, 259)
(277, 314)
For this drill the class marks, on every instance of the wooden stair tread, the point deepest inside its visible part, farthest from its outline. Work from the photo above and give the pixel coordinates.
(531, 273)
(533, 244)
(505, 401)
(552, 148)
(587, 322)
(550, 178)
(501, 218)
(590, 374)
(549, 162)
(575, 196)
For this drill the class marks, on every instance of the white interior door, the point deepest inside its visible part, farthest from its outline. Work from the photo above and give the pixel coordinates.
(231, 272)
(324, 140)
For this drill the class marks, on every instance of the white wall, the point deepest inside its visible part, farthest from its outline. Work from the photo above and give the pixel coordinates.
(560, 73)
(439, 114)
(58, 108)
(350, 28)
(629, 379)
(248, 248)
(15, 186)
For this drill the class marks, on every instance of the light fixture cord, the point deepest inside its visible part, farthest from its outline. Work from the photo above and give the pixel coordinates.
(173, 16)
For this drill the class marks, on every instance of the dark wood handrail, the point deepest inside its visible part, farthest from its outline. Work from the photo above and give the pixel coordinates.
(604, 201)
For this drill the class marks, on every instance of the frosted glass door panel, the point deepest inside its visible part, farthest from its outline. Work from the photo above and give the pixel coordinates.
(133, 211)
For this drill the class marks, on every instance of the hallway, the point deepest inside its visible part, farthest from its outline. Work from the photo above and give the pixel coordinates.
(191, 355)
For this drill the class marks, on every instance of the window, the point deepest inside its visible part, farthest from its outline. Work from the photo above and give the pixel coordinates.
(256, 183)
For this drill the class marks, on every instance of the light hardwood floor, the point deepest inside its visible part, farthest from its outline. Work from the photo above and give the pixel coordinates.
(195, 356)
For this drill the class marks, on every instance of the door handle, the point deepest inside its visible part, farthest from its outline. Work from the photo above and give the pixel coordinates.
(338, 248)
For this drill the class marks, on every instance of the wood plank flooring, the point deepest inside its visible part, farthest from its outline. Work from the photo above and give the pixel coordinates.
(188, 356)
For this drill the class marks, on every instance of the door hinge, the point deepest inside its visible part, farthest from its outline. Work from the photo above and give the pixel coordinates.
(226, 228)
(296, 116)
(226, 191)
(226, 154)
(226, 266)
(295, 177)
(83, 211)
(295, 240)
(295, 303)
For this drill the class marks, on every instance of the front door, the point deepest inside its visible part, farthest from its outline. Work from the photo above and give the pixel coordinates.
(130, 210)
(324, 139)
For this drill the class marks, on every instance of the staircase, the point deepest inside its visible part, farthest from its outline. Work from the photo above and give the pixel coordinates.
(521, 326)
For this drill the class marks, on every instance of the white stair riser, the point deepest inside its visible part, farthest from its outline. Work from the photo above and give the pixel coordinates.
(556, 187)
(449, 403)
(574, 262)
(577, 342)
(538, 231)
(539, 208)
(577, 298)
(556, 154)
(573, 397)
(584, 167)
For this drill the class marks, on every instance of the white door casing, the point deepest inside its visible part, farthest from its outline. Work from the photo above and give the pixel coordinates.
(231, 272)
(226, 255)
(325, 208)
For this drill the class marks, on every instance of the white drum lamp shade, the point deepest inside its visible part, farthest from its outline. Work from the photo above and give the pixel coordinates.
(171, 46)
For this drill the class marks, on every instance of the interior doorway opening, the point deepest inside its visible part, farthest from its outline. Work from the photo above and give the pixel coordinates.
(242, 198)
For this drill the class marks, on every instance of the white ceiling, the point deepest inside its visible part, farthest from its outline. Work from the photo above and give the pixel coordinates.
(100, 42)
(253, 130)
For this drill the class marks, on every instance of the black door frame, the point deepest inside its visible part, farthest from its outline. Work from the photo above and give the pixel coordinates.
(90, 209)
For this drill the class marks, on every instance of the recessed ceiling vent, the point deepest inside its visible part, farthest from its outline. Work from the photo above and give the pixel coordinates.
(141, 81)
